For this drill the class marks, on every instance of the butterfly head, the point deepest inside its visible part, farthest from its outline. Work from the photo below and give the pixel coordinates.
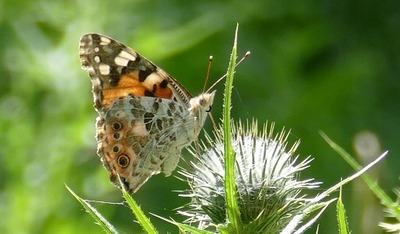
(200, 106)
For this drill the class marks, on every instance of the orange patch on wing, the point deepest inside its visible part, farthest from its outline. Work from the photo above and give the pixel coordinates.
(153, 84)
(130, 85)
(132, 79)
(163, 92)
(126, 86)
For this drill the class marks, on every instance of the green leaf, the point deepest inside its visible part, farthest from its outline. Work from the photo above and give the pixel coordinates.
(143, 220)
(372, 184)
(230, 182)
(184, 227)
(341, 215)
(100, 220)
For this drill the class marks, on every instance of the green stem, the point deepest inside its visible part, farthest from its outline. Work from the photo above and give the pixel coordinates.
(230, 183)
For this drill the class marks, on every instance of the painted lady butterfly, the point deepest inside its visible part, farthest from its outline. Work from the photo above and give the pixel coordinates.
(146, 117)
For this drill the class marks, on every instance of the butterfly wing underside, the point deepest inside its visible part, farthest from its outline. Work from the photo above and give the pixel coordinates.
(144, 114)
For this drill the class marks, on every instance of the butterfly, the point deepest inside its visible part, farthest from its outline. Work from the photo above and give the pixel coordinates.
(145, 116)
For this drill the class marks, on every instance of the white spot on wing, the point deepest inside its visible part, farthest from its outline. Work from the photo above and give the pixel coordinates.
(96, 59)
(96, 82)
(124, 58)
(104, 41)
(127, 55)
(121, 61)
(104, 69)
(152, 79)
(90, 69)
(139, 129)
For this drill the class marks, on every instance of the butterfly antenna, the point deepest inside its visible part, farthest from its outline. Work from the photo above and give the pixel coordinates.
(210, 60)
(247, 54)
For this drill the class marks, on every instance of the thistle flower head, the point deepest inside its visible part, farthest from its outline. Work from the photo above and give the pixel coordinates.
(392, 214)
(267, 178)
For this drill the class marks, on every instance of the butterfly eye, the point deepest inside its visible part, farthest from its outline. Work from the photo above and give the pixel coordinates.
(123, 161)
(209, 109)
(201, 101)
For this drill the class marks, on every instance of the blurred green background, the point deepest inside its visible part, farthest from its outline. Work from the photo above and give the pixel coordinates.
(315, 65)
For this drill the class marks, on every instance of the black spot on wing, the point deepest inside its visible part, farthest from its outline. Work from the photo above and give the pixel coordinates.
(96, 38)
(115, 76)
(154, 88)
(163, 84)
(156, 105)
(148, 93)
(138, 58)
(148, 118)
